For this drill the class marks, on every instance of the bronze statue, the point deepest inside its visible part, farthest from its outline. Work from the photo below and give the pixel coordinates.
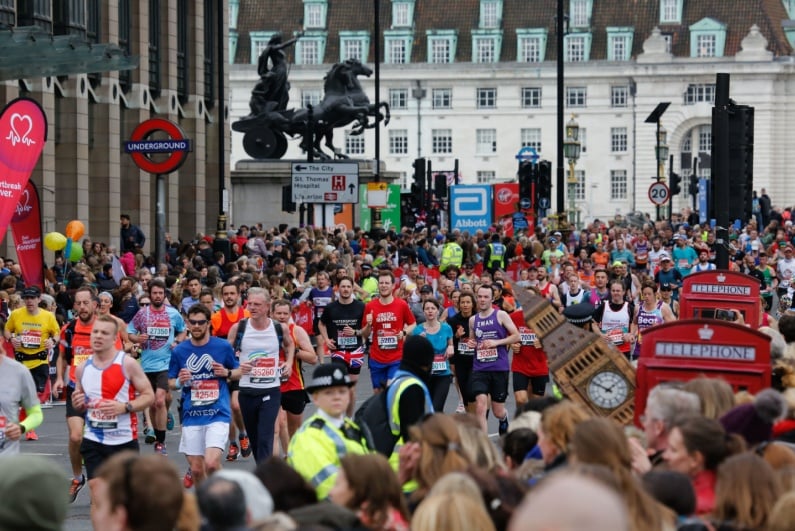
(344, 102)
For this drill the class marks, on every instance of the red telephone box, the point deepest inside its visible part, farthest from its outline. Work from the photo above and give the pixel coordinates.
(710, 294)
(683, 350)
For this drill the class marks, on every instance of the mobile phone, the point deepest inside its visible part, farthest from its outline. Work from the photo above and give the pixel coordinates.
(726, 315)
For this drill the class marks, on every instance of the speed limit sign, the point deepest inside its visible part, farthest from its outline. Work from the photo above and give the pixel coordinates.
(659, 193)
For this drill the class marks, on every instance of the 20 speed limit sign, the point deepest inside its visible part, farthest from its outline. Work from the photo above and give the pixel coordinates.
(659, 193)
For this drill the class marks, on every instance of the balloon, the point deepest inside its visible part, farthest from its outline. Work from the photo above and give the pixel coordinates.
(75, 229)
(54, 241)
(76, 254)
(68, 249)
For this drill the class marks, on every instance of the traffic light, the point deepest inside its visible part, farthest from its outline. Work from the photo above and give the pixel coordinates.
(692, 188)
(418, 186)
(526, 181)
(287, 199)
(741, 162)
(440, 185)
(675, 183)
(543, 185)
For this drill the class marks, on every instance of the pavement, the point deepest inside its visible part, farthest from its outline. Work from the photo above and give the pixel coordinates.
(53, 439)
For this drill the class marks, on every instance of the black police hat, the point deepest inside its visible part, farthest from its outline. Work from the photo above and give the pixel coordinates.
(329, 375)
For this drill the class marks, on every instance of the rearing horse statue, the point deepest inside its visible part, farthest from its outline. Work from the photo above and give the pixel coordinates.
(344, 102)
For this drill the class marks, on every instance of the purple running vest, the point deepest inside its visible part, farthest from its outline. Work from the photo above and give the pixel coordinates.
(493, 359)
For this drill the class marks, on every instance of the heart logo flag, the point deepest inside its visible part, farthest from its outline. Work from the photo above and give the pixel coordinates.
(26, 228)
(23, 132)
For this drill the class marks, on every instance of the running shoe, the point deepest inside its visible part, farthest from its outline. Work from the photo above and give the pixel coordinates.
(149, 436)
(234, 450)
(160, 448)
(503, 425)
(187, 481)
(31, 436)
(170, 421)
(245, 447)
(75, 487)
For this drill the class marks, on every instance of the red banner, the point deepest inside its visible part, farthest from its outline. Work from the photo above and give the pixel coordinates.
(26, 228)
(23, 131)
(506, 197)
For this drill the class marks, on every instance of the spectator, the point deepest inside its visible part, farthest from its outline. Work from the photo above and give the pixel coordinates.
(223, 505)
(33, 493)
(448, 512)
(132, 237)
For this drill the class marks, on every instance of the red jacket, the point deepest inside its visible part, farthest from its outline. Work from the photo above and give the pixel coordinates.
(704, 485)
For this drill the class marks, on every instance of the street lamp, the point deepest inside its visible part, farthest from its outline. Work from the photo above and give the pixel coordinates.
(661, 146)
(571, 150)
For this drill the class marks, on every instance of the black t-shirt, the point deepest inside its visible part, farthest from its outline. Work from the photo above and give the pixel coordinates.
(454, 322)
(337, 316)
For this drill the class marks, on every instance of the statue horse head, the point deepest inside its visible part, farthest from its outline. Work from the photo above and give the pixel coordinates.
(342, 78)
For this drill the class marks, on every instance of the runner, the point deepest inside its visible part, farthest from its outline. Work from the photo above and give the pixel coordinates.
(202, 367)
(464, 354)
(491, 332)
(222, 320)
(390, 320)
(441, 337)
(339, 330)
(529, 370)
(650, 312)
(33, 333)
(18, 390)
(158, 329)
(613, 319)
(258, 351)
(105, 389)
(319, 296)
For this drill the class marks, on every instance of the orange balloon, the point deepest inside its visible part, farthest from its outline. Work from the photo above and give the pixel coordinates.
(75, 229)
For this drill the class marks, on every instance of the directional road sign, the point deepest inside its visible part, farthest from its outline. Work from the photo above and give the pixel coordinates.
(659, 193)
(325, 182)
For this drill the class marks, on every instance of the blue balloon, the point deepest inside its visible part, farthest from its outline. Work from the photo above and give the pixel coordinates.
(68, 249)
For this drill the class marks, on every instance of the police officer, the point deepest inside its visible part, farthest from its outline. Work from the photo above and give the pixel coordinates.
(452, 254)
(328, 435)
(495, 254)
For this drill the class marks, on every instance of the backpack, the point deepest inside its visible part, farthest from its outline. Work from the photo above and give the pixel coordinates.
(372, 417)
(241, 329)
(68, 335)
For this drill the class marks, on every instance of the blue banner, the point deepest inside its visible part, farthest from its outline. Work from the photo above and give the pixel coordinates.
(702, 200)
(470, 207)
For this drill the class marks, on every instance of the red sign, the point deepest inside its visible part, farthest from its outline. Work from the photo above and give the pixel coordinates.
(711, 294)
(26, 228)
(23, 131)
(141, 148)
(338, 183)
(506, 197)
(329, 196)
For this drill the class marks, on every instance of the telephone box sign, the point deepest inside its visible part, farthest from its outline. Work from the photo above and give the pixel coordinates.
(721, 289)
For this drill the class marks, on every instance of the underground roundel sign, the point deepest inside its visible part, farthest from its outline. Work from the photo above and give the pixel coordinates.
(142, 148)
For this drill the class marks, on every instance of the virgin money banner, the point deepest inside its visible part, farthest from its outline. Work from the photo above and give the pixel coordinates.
(26, 228)
(506, 197)
(23, 131)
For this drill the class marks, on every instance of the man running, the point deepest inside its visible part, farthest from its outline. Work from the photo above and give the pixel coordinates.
(339, 328)
(319, 296)
(105, 389)
(390, 320)
(258, 350)
(222, 320)
(491, 333)
(33, 333)
(203, 365)
(158, 329)
(18, 391)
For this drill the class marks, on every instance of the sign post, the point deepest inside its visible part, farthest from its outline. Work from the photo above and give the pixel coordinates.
(146, 154)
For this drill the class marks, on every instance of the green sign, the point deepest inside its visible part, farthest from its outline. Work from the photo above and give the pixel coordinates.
(390, 216)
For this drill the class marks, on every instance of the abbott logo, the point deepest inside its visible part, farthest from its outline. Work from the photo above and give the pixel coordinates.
(471, 202)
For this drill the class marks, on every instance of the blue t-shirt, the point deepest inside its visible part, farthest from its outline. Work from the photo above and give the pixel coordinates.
(161, 326)
(439, 340)
(206, 397)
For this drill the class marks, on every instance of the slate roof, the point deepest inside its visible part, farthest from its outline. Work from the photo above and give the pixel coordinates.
(463, 15)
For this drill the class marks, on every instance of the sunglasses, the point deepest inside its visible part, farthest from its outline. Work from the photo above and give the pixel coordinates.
(197, 322)
(144, 304)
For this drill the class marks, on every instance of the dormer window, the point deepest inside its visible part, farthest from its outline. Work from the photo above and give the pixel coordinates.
(490, 14)
(402, 14)
(579, 13)
(315, 14)
(707, 38)
(441, 46)
(670, 11)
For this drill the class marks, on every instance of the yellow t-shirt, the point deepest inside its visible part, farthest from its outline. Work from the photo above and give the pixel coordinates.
(33, 331)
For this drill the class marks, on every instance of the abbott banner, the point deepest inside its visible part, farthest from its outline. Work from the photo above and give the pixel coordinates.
(26, 228)
(23, 131)
(470, 207)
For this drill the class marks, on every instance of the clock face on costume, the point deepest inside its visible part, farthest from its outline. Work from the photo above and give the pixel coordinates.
(608, 390)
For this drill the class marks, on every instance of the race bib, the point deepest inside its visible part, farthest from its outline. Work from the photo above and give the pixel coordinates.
(101, 421)
(464, 349)
(264, 370)
(346, 341)
(387, 342)
(616, 336)
(439, 364)
(683, 263)
(3, 424)
(31, 339)
(486, 355)
(81, 355)
(527, 339)
(784, 284)
(204, 392)
(158, 332)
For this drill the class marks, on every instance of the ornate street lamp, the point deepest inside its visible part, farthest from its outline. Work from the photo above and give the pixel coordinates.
(571, 150)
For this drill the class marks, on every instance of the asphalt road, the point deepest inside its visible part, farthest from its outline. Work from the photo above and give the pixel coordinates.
(53, 438)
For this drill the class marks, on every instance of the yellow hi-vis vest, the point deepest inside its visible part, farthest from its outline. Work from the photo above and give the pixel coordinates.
(452, 254)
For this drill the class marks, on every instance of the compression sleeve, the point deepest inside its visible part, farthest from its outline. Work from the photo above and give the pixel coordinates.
(33, 419)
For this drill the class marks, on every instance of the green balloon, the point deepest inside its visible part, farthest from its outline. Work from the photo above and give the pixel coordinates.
(77, 252)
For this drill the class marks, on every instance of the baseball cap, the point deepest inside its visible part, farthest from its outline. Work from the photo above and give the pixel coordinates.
(666, 286)
(31, 292)
(787, 247)
(553, 240)
(366, 266)
(426, 289)
(664, 257)
(618, 263)
(677, 236)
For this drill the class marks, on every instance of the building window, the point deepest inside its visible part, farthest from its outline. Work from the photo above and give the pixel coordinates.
(619, 45)
(352, 50)
(311, 97)
(442, 98)
(487, 98)
(402, 14)
(441, 49)
(125, 43)
(579, 13)
(618, 184)
(705, 45)
(209, 52)
(485, 50)
(354, 45)
(618, 139)
(531, 97)
(397, 50)
(354, 144)
(583, 143)
(619, 96)
(579, 186)
(315, 15)
(490, 14)
(669, 42)
(259, 41)
(441, 141)
(576, 96)
(698, 93)
(529, 50)
(531, 137)
(398, 142)
(486, 140)
(183, 51)
(575, 48)
(486, 176)
(707, 38)
(310, 50)
(398, 98)
(669, 11)
(705, 139)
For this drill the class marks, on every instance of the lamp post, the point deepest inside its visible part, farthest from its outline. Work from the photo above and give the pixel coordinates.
(661, 151)
(571, 150)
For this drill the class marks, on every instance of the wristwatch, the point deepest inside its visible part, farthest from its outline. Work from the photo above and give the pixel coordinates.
(228, 373)
(22, 429)
(128, 407)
